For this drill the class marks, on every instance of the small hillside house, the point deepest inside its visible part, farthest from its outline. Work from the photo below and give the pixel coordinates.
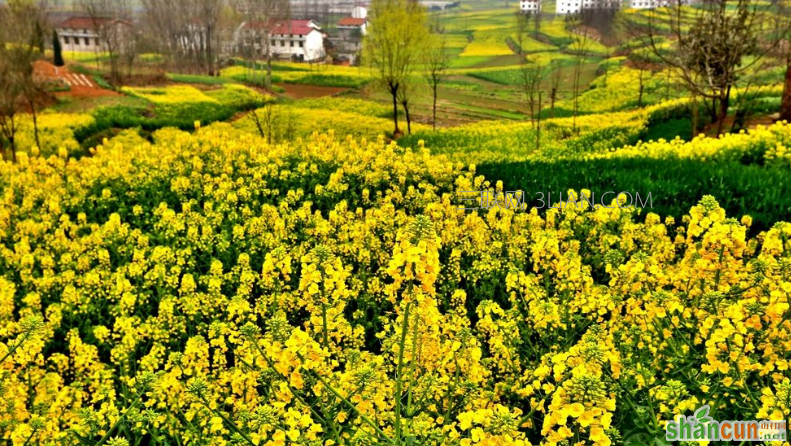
(348, 40)
(652, 4)
(352, 27)
(298, 40)
(83, 34)
(576, 6)
(530, 6)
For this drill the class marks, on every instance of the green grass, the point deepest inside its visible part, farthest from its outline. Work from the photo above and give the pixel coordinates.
(197, 79)
(468, 61)
(675, 185)
(329, 80)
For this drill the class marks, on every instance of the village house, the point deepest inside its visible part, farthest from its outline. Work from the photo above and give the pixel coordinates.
(434, 5)
(576, 6)
(297, 40)
(652, 4)
(530, 6)
(348, 39)
(329, 8)
(83, 34)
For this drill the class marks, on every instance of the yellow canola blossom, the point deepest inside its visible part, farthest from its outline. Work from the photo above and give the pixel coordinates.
(211, 288)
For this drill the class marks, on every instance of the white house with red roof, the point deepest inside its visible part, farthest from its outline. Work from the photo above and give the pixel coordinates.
(84, 34)
(300, 40)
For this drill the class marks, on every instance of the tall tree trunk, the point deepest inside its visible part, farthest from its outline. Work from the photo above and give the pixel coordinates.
(434, 109)
(394, 93)
(723, 112)
(640, 94)
(667, 86)
(405, 104)
(268, 68)
(713, 110)
(209, 51)
(552, 96)
(34, 115)
(785, 105)
(12, 142)
(695, 116)
(577, 75)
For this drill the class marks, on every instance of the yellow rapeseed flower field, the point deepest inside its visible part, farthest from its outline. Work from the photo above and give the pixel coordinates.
(212, 289)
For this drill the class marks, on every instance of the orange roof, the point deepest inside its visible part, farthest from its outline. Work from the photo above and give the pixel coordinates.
(351, 21)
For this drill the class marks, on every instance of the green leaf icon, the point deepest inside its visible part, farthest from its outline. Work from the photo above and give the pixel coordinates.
(702, 414)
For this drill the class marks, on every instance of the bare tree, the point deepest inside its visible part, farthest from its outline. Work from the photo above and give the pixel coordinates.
(261, 17)
(19, 48)
(265, 121)
(187, 32)
(714, 47)
(643, 66)
(108, 18)
(783, 18)
(601, 17)
(436, 66)
(580, 46)
(10, 102)
(531, 72)
(556, 69)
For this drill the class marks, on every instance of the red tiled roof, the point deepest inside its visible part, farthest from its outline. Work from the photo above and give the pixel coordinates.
(298, 27)
(88, 22)
(293, 28)
(351, 21)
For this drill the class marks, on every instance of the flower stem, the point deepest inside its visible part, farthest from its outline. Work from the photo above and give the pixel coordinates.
(399, 377)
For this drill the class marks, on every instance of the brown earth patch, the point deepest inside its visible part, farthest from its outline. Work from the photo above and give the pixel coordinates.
(80, 85)
(298, 91)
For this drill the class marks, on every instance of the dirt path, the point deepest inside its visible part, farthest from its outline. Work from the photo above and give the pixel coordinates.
(80, 85)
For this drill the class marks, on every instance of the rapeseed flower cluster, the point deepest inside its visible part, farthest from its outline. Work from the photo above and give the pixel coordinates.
(213, 289)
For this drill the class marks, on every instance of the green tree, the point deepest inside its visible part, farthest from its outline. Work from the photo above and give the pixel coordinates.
(394, 44)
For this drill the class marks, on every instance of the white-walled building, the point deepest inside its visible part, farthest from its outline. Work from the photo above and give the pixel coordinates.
(300, 40)
(360, 12)
(576, 6)
(86, 34)
(652, 4)
(530, 6)
(319, 8)
(439, 5)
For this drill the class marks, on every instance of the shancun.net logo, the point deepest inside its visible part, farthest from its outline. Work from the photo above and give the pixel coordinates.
(701, 426)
